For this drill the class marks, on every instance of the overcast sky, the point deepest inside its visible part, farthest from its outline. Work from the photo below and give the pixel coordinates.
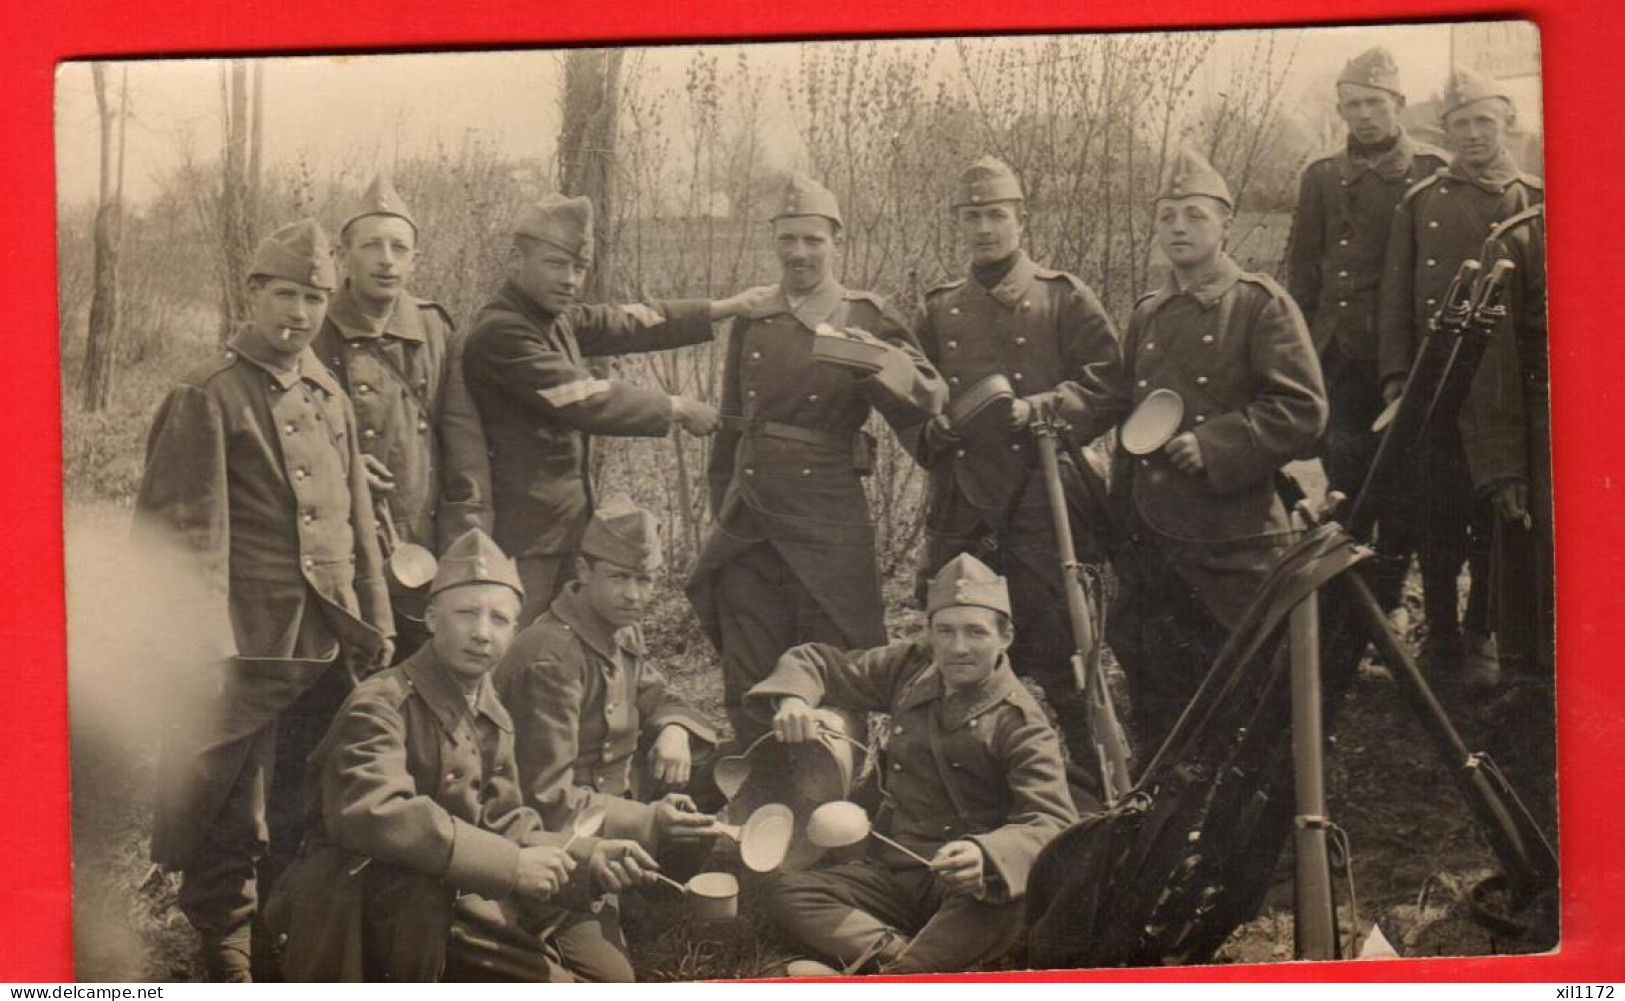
(366, 111)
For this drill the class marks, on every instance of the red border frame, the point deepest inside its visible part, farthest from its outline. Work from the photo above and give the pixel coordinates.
(1582, 84)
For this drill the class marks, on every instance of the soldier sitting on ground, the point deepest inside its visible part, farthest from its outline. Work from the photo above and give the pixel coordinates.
(421, 862)
(585, 702)
(972, 774)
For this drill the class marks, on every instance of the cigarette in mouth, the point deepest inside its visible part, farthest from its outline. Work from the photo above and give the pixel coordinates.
(286, 333)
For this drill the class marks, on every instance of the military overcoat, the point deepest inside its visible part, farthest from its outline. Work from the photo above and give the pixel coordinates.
(1048, 334)
(1440, 222)
(404, 374)
(1339, 238)
(582, 699)
(1235, 349)
(981, 765)
(254, 475)
(539, 404)
(788, 472)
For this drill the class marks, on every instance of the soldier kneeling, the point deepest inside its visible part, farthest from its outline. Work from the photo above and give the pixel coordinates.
(973, 780)
(421, 862)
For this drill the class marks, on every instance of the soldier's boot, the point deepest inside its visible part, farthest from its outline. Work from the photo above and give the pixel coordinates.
(1481, 666)
(226, 957)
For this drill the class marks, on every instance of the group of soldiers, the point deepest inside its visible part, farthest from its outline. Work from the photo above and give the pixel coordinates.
(385, 779)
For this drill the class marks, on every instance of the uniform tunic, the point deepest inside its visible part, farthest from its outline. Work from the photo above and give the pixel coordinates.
(1441, 222)
(980, 765)
(254, 475)
(1339, 239)
(417, 785)
(582, 698)
(540, 406)
(1235, 349)
(792, 556)
(1506, 432)
(1049, 335)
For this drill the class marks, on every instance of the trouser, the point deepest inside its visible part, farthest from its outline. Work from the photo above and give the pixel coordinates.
(258, 827)
(416, 930)
(899, 916)
(1523, 608)
(1355, 394)
(544, 576)
(765, 610)
(1457, 530)
(1165, 639)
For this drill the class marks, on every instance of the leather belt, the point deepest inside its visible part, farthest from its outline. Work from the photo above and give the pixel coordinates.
(787, 432)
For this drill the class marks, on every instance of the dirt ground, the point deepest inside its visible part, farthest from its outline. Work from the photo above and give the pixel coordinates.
(1415, 849)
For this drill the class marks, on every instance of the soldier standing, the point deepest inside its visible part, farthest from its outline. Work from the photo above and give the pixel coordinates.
(1339, 236)
(972, 773)
(1507, 435)
(539, 403)
(792, 557)
(254, 473)
(400, 360)
(585, 701)
(1234, 347)
(1440, 222)
(1047, 333)
(422, 862)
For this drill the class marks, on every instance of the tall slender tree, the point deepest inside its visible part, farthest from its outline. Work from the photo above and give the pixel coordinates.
(96, 381)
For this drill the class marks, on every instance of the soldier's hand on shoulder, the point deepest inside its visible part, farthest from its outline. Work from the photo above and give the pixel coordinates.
(796, 722)
(543, 871)
(379, 479)
(678, 819)
(670, 759)
(694, 416)
(618, 865)
(742, 304)
(960, 867)
(1185, 452)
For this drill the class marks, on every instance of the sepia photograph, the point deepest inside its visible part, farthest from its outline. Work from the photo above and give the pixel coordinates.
(809, 509)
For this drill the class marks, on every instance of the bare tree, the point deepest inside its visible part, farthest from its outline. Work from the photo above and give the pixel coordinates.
(97, 380)
(586, 150)
(235, 194)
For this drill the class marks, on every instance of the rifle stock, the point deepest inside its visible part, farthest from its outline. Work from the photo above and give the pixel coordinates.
(1105, 731)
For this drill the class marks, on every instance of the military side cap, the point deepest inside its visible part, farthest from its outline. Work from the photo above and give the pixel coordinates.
(1468, 87)
(987, 180)
(1191, 174)
(565, 223)
(804, 196)
(381, 198)
(1373, 68)
(625, 535)
(299, 252)
(966, 580)
(475, 559)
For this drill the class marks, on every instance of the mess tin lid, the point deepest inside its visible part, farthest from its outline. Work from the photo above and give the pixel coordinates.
(765, 840)
(834, 346)
(1152, 423)
(989, 401)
